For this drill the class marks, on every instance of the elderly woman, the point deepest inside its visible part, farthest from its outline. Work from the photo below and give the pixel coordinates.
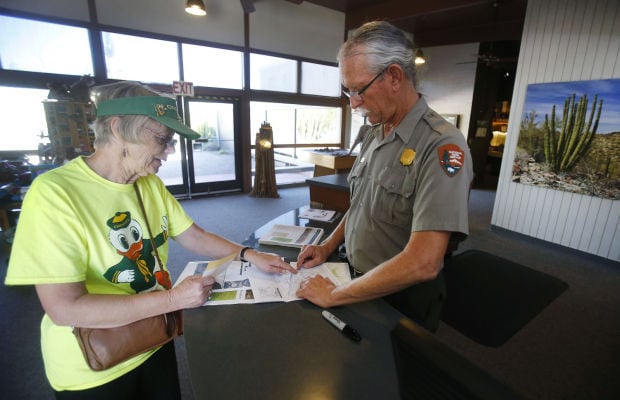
(84, 242)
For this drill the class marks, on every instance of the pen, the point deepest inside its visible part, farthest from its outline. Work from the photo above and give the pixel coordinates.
(346, 330)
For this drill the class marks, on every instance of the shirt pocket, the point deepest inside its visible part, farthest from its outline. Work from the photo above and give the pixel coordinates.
(356, 177)
(393, 198)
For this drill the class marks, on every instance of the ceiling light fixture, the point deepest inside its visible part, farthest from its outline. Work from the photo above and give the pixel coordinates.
(196, 7)
(419, 57)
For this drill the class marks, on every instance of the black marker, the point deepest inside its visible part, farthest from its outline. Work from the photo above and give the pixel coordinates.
(347, 330)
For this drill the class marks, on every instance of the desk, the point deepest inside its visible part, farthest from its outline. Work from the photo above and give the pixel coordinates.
(330, 192)
(287, 350)
(328, 163)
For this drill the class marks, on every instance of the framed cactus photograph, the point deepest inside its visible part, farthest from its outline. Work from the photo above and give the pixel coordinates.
(569, 138)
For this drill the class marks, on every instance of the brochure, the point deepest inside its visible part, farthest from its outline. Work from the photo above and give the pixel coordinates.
(211, 268)
(243, 283)
(282, 287)
(318, 214)
(291, 235)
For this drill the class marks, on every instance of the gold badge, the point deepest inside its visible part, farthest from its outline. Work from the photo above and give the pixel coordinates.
(407, 157)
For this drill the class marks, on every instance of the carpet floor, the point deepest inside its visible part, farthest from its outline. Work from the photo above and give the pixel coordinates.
(569, 349)
(490, 298)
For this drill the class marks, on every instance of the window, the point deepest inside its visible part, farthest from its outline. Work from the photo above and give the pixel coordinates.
(320, 79)
(295, 128)
(298, 124)
(317, 125)
(23, 118)
(63, 51)
(44, 47)
(356, 122)
(207, 66)
(141, 59)
(273, 73)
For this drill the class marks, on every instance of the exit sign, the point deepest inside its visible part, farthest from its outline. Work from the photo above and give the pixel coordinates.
(180, 88)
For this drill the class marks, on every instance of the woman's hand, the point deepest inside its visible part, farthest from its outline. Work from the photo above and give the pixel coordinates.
(268, 262)
(69, 304)
(192, 292)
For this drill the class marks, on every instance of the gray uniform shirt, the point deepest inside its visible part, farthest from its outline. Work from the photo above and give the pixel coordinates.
(416, 179)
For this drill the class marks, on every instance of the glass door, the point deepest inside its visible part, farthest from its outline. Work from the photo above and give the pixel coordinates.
(213, 162)
(216, 157)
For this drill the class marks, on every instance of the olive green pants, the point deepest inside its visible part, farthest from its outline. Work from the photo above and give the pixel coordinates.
(422, 302)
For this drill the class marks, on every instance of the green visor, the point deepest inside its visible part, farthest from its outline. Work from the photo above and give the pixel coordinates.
(161, 109)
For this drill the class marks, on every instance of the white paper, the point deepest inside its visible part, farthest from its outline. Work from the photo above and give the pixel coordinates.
(283, 287)
(243, 283)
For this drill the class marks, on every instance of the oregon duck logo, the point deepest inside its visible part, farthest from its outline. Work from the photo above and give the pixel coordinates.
(137, 266)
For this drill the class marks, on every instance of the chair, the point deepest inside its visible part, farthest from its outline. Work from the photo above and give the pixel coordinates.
(429, 369)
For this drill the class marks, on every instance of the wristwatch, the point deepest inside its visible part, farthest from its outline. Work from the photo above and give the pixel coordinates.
(242, 253)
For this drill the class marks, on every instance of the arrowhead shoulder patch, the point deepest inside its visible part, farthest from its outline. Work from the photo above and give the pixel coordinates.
(451, 159)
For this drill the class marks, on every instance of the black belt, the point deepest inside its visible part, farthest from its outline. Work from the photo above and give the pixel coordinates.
(354, 272)
(342, 255)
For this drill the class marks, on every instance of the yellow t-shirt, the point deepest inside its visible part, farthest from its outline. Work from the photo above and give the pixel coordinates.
(76, 226)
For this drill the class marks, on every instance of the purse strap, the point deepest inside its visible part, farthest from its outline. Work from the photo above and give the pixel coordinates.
(148, 226)
(174, 320)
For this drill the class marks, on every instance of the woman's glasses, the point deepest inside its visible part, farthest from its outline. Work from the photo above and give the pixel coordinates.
(164, 141)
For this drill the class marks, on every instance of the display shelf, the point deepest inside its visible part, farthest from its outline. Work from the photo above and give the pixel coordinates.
(68, 129)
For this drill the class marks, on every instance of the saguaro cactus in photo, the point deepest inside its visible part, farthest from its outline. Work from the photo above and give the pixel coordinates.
(564, 147)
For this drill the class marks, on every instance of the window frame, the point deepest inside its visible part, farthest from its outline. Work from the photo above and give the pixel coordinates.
(246, 94)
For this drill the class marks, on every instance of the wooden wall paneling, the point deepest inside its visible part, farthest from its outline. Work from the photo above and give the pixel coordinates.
(588, 40)
(580, 221)
(562, 41)
(569, 224)
(544, 221)
(503, 189)
(554, 215)
(611, 223)
(615, 45)
(506, 191)
(563, 24)
(545, 65)
(555, 57)
(528, 197)
(604, 245)
(560, 222)
(611, 61)
(573, 29)
(540, 24)
(513, 212)
(603, 31)
(545, 210)
(593, 226)
(609, 248)
(587, 229)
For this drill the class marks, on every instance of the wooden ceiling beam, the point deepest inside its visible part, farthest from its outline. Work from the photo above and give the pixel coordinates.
(468, 34)
(395, 9)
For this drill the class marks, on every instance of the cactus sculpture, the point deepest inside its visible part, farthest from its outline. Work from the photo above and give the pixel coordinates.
(565, 147)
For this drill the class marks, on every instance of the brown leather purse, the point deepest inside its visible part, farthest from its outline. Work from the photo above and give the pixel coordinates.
(104, 348)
